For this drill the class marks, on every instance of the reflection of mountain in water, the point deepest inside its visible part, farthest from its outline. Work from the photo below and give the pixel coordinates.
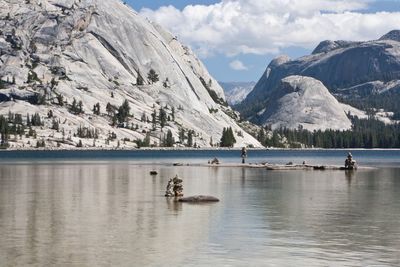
(97, 213)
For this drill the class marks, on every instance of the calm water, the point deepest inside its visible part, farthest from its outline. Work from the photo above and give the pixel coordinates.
(102, 209)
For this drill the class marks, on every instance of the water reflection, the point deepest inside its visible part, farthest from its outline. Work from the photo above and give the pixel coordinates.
(115, 214)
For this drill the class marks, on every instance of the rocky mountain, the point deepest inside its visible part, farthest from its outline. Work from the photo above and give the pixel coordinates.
(236, 92)
(363, 74)
(304, 102)
(75, 62)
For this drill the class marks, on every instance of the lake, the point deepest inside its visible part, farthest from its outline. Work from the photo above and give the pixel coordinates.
(99, 208)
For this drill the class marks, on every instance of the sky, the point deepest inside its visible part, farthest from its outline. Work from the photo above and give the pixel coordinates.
(236, 39)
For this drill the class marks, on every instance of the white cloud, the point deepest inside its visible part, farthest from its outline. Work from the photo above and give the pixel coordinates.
(238, 65)
(262, 27)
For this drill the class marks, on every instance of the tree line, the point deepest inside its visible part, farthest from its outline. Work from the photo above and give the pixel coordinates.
(365, 133)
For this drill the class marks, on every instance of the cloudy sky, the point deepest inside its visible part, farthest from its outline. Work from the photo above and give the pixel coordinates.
(236, 39)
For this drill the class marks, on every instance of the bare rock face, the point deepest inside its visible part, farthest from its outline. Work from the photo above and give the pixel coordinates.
(392, 35)
(98, 51)
(304, 102)
(349, 69)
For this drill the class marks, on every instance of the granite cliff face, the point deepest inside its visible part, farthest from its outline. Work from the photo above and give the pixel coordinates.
(98, 51)
(304, 102)
(350, 70)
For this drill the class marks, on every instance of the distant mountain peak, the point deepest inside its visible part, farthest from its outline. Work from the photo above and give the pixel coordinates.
(328, 45)
(352, 71)
(282, 59)
(235, 92)
(392, 35)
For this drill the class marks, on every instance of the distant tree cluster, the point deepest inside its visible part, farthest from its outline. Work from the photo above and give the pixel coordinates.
(168, 140)
(118, 114)
(76, 107)
(145, 142)
(387, 101)
(84, 132)
(40, 144)
(228, 138)
(161, 118)
(14, 125)
(123, 111)
(273, 141)
(369, 133)
(4, 132)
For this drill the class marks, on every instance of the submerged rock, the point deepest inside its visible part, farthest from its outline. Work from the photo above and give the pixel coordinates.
(199, 199)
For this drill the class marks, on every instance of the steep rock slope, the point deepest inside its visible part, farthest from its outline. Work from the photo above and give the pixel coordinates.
(236, 92)
(94, 51)
(348, 69)
(304, 102)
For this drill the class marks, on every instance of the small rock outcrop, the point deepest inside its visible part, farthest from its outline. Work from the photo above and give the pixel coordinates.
(199, 199)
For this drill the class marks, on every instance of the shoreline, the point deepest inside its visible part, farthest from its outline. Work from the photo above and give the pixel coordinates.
(157, 149)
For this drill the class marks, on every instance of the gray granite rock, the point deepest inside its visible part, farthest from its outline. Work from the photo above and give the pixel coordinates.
(349, 69)
(199, 199)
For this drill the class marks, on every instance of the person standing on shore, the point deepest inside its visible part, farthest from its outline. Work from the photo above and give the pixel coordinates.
(244, 155)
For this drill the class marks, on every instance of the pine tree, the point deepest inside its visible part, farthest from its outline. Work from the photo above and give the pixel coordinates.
(169, 141)
(96, 109)
(123, 111)
(163, 117)
(110, 110)
(28, 120)
(143, 118)
(182, 135)
(261, 136)
(152, 76)
(190, 138)
(60, 100)
(228, 138)
(154, 120)
(74, 106)
(79, 144)
(80, 107)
